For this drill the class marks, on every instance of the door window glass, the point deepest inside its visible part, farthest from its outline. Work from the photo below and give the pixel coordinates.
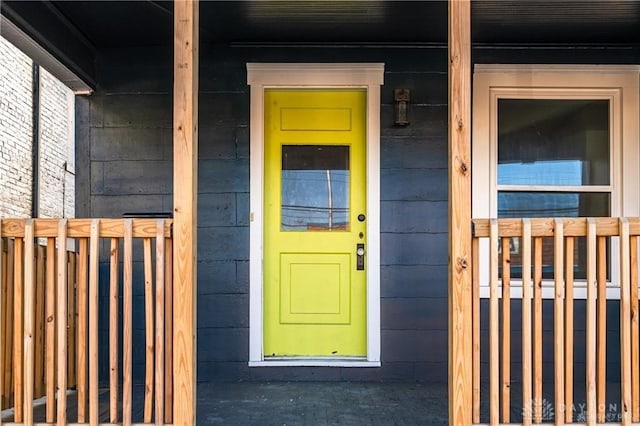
(315, 188)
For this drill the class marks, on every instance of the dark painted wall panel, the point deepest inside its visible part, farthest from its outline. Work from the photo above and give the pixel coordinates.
(413, 216)
(413, 184)
(413, 281)
(413, 249)
(130, 120)
(127, 153)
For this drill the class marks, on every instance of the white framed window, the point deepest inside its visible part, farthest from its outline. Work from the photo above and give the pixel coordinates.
(555, 141)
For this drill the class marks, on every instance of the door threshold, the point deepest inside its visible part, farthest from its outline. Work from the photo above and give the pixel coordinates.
(314, 362)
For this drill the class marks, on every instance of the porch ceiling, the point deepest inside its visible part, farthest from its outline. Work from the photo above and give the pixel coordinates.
(72, 31)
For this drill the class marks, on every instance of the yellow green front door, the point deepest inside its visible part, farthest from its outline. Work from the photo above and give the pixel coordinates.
(315, 223)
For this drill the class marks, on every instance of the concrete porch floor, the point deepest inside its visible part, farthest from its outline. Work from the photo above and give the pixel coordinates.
(322, 403)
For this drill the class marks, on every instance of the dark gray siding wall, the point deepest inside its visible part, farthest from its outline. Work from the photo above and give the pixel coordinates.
(124, 164)
(125, 155)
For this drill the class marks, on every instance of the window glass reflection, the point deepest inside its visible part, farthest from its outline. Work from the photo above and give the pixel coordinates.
(553, 142)
(315, 188)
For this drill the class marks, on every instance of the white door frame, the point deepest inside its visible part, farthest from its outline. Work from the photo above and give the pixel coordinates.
(321, 75)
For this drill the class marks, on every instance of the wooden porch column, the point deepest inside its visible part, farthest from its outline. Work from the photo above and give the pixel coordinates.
(185, 196)
(460, 315)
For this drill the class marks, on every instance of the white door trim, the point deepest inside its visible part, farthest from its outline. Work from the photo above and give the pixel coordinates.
(321, 75)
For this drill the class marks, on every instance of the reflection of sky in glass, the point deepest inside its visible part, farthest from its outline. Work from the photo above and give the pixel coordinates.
(554, 172)
(552, 204)
(305, 199)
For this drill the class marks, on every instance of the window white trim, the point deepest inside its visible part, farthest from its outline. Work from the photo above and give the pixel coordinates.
(321, 75)
(618, 84)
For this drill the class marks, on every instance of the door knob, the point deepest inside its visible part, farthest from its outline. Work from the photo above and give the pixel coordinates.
(361, 217)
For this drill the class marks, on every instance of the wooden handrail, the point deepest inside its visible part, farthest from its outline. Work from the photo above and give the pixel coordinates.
(81, 228)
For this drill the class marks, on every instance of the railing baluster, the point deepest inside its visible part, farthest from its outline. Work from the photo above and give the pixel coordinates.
(7, 386)
(83, 331)
(558, 320)
(625, 322)
(94, 253)
(591, 321)
(29, 327)
(494, 355)
(537, 329)
(39, 325)
(50, 331)
(602, 328)
(168, 362)
(18, 326)
(526, 323)
(475, 306)
(61, 314)
(149, 337)
(71, 319)
(160, 259)
(506, 328)
(127, 309)
(113, 330)
(2, 331)
(635, 344)
(568, 330)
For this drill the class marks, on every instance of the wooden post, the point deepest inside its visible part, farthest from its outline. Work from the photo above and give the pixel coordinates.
(185, 192)
(460, 330)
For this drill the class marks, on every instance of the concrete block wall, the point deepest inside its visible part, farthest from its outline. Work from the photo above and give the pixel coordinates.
(56, 177)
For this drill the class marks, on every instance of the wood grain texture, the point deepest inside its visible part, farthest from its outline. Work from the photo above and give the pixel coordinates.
(185, 212)
(8, 323)
(94, 306)
(148, 331)
(127, 323)
(537, 330)
(83, 327)
(71, 319)
(592, 293)
(29, 321)
(77, 228)
(568, 329)
(50, 331)
(635, 331)
(2, 298)
(61, 318)
(505, 388)
(476, 329)
(625, 322)
(114, 279)
(18, 329)
(459, 166)
(558, 321)
(544, 227)
(159, 329)
(168, 332)
(494, 327)
(601, 392)
(39, 350)
(526, 323)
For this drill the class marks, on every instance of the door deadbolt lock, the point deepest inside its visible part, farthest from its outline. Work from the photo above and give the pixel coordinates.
(360, 257)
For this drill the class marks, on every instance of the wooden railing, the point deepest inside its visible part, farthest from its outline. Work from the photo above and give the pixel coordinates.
(53, 295)
(12, 316)
(561, 374)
